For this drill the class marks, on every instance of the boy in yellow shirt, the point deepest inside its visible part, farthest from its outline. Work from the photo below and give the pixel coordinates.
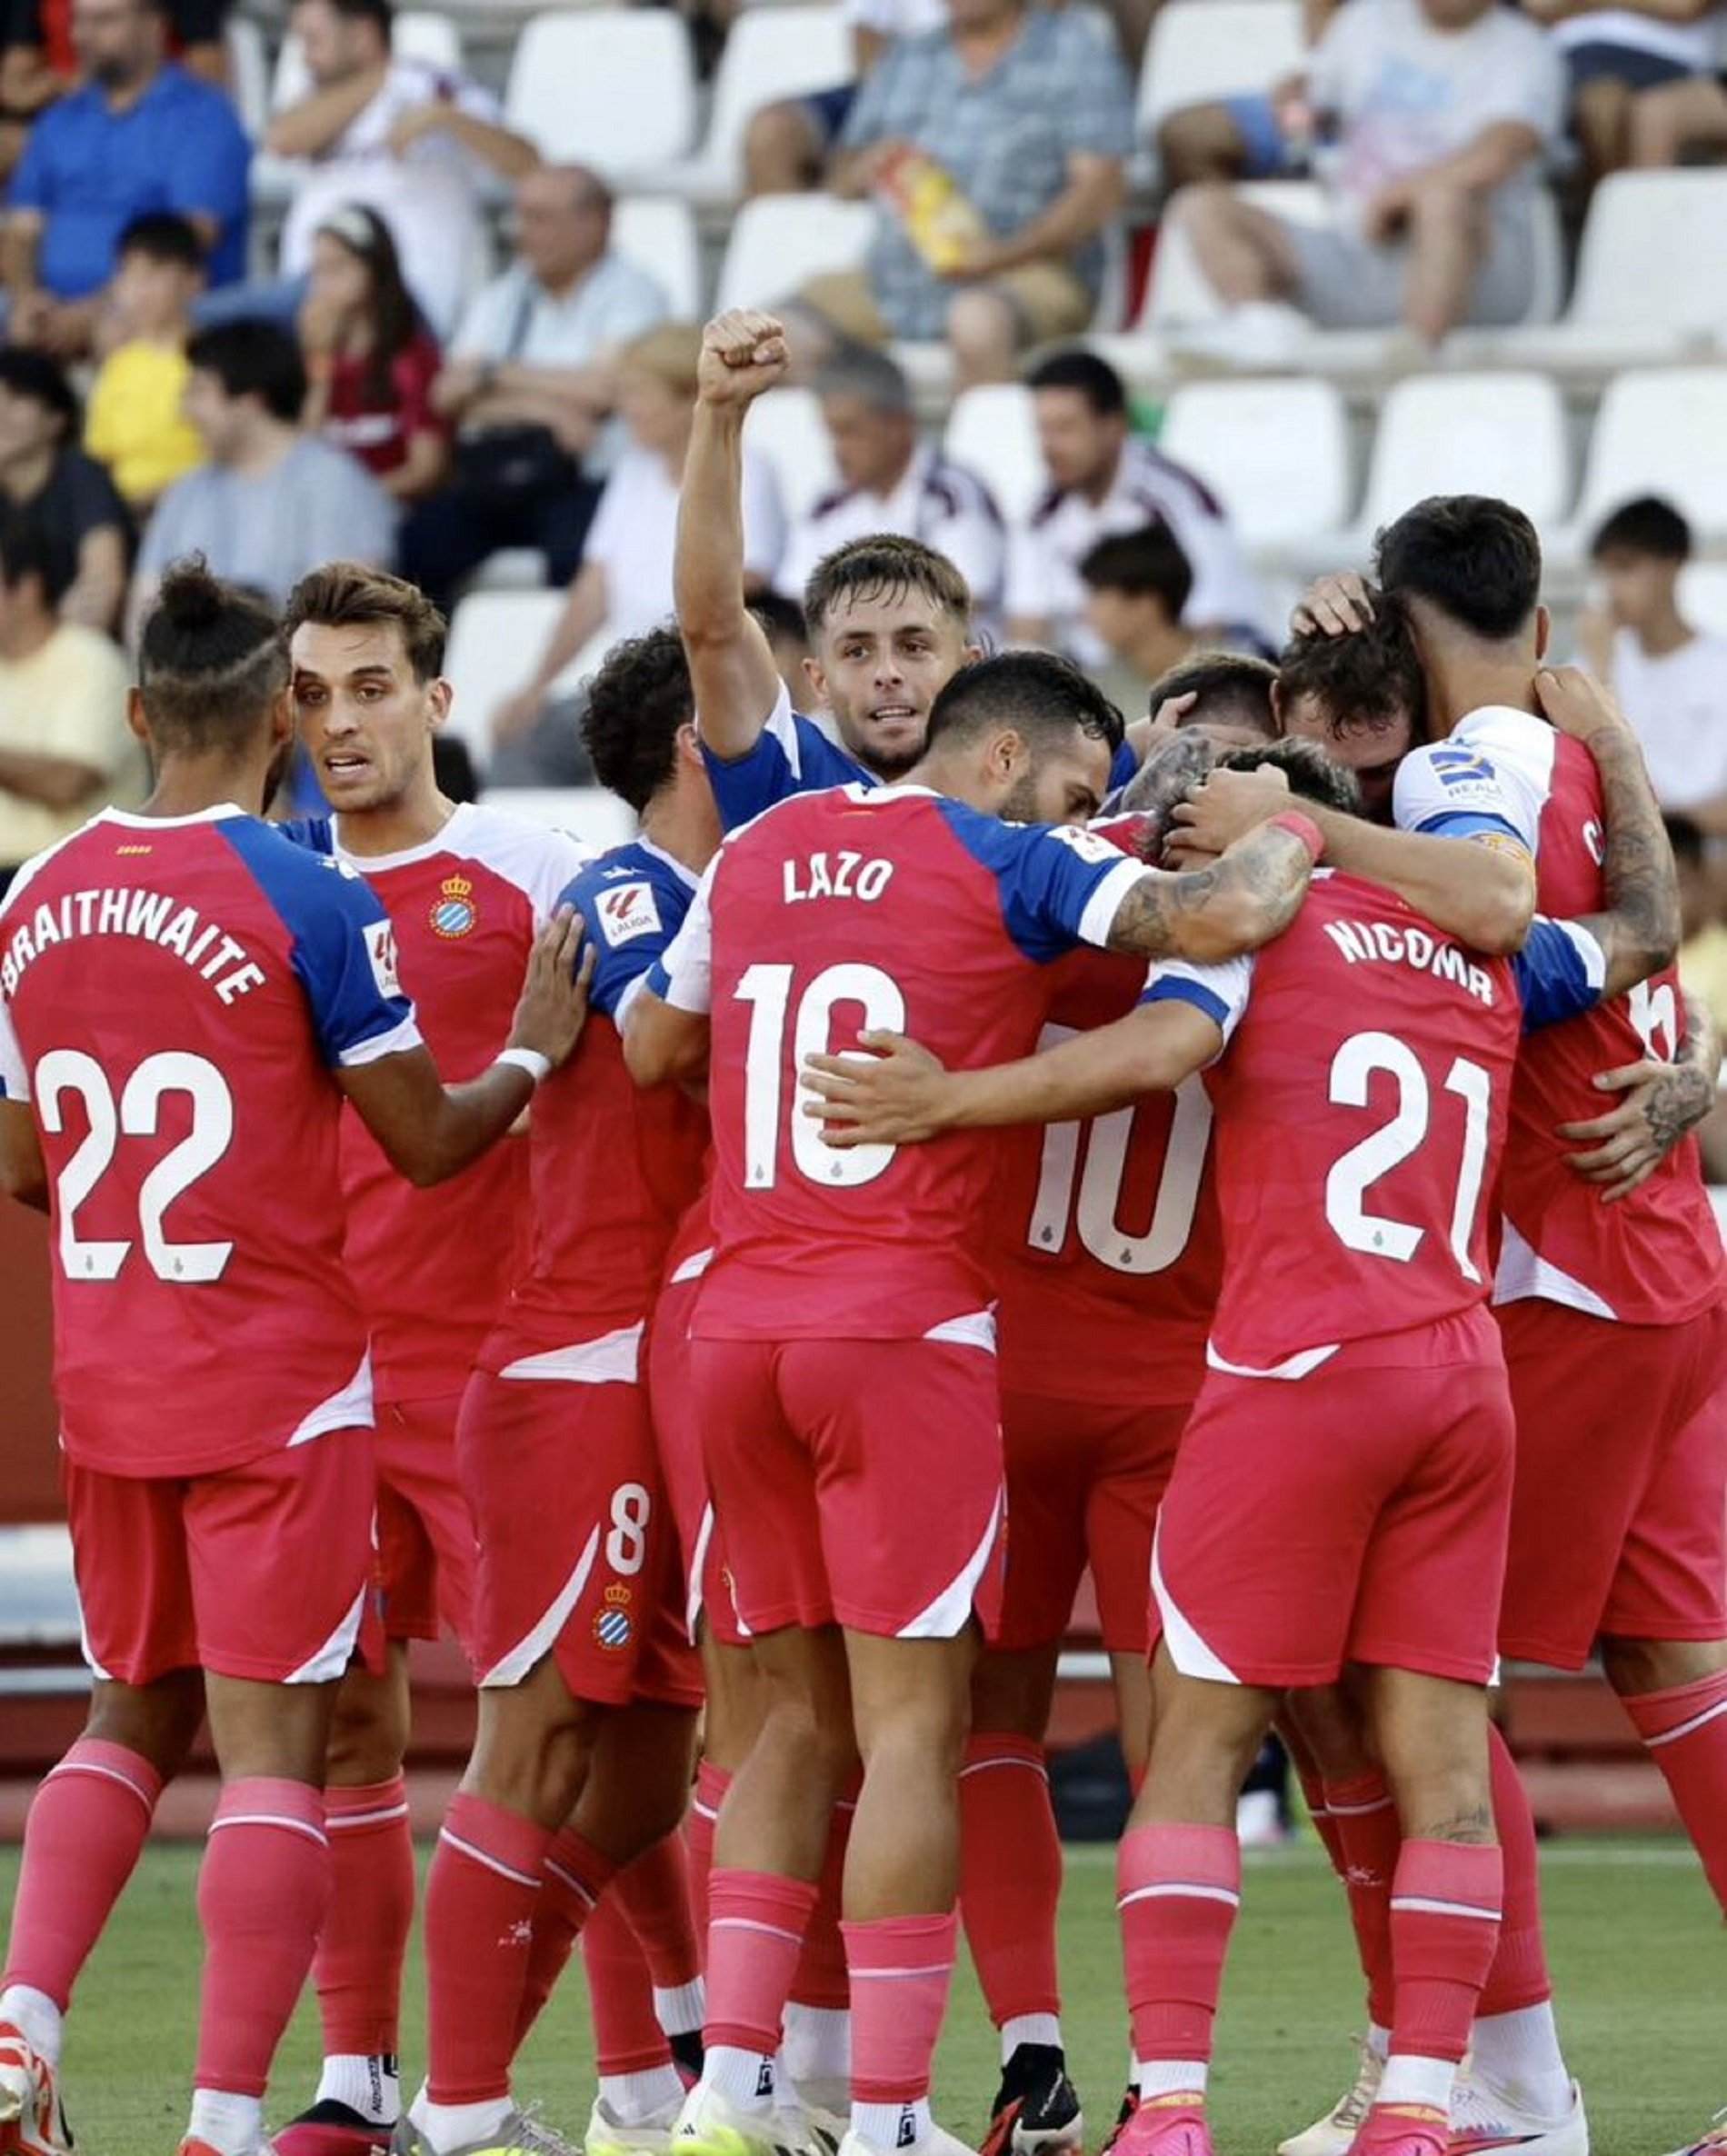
(133, 423)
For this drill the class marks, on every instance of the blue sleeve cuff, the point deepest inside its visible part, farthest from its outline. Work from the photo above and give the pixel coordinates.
(659, 982)
(1464, 824)
(1205, 1000)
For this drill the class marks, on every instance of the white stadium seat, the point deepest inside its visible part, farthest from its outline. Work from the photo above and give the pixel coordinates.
(1660, 431)
(1647, 257)
(771, 52)
(613, 87)
(1470, 433)
(1275, 453)
(1702, 596)
(779, 241)
(415, 35)
(785, 426)
(992, 432)
(1200, 50)
(587, 813)
(495, 636)
(659, 236)
(1179, 292)
(248, 72)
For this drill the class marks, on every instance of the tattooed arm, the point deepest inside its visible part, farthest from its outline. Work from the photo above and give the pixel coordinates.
(1662, 1104)
(1639, 932)
(1248, 894)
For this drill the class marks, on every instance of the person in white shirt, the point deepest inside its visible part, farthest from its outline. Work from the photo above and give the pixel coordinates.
(1104, 480)
(625, 583)
(408, 141)
(1670, 678)
(892, 482)
(1433, 115)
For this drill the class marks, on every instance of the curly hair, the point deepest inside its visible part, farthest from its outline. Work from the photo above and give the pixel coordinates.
(636, 704)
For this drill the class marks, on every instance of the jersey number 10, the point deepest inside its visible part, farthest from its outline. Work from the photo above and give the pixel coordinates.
(767, 989)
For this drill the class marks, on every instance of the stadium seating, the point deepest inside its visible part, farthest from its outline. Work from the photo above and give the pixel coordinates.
(780, 240)
(1179, 294)
(1203, 49)
(494, 637)
(771, 52)
(613, 87)
(415, 35)
(1470, 433)
(1276, 452)
(786, 428)
(658, 234)
(587, 813)
(1702, 596)
(992, 430)
(1660, 430)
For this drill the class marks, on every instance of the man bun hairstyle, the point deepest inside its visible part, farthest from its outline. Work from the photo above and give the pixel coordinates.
(211, 660)
(1312, 774)
(1474, 557)
(1036, 692)
(637, 703)
(883, 565)
(352, 595)
(1362, 682)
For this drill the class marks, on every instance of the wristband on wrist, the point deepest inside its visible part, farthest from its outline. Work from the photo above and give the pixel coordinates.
(537, 1066)
(1303, 828)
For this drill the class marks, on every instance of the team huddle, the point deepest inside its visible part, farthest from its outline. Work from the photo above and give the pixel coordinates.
(739, 1282)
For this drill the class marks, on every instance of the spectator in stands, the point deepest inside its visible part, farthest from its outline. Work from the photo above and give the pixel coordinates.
(787, 144)
(66, 492)
(1262, 134)
(995, 147)
(142, 134)
(788, 636)
(134, 423)
(1670, 678)
(1438, 113)
(1702, 961)
(1136, 587)
(889, 482)
(625, 584)
(416, 146)
(370, 360)
(1641, 74)
(1103, 480)
(529, 384)
(272, 502)
(65, 750)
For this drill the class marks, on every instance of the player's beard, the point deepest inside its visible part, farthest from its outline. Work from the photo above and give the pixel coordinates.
(1021, 806)
(890, 768)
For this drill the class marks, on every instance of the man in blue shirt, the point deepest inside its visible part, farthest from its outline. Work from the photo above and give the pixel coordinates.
(142, 134)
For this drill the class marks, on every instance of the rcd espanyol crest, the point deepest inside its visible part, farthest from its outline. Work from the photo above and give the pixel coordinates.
(613, 1627)
(454, 912)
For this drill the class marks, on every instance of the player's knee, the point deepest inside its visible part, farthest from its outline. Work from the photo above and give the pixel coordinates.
(159, 1721)
(368, 1736)
(1635, 1667)
(532, 1759)
(1443, 1795)
(925, 1732)
(983, 333)
(781, 150)
(811, 1738)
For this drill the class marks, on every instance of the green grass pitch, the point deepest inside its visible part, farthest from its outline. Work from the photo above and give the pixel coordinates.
(1641, 1968)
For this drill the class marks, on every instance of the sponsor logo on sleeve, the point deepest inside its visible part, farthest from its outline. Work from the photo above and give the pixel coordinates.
(380, 948)
(628, 911)
(1086, 843)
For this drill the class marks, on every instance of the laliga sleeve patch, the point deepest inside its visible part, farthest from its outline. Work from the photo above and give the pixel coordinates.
(1087, 844)
(380, 948)
(628, 911)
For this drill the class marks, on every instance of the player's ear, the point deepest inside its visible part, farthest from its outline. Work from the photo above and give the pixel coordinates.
(1544, 631)
(281, 715)
(689, 745)
(136, 723)
(817, 678)
(439, 695)
(1277, 707)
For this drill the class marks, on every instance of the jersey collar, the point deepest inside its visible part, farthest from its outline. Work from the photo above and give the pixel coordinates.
(440, 842)
(215, 813)
(685, 875)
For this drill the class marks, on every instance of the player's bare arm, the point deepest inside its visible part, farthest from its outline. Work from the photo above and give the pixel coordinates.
(731, 664)
(664, 1045)
(1238, 901)
(899, 1094)
(432, 1131)
(22, 1168)
(1486, 897)
(1662, 1104)
(1639, 932)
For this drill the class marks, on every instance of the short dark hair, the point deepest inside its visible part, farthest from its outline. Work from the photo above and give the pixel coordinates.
(1686, 838)
(211, 660)
(163, 236)
(1035, 692)
(1475, 558)
(1230, 688)
(32, 375)
(379, 13)
(781, 616)
(1076, 368)
(1314, 776)
(29, 548)
(1364, 683)
(351, 595)
(1647, 526)
(636, 703)
(251, 358)
(1146, 563)
(880, 566)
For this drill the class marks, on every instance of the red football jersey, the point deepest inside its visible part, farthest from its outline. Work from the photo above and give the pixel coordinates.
(1654, 1258)
(176, 993)
(434, 1266)
(848, 910)
(1362, 1106)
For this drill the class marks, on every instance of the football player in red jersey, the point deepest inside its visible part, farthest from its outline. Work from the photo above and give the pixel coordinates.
(843, 1322)
(1240, 1595)
(467, 889)
(187, 998)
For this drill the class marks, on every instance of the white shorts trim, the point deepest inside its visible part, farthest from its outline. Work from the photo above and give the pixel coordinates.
(333, 1657)
(349, 1409)
(1187, 1651)
(693, 1268)
(975, 1329)
(537, 1644)
(613, 1359)
(948, 1615)
(1299, 1366)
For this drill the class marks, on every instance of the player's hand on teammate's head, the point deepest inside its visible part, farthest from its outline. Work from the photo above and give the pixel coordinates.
(1661, 1104)
(891, 1094)
(554, 1005)
(743, 353)
(1579, 705)
(1226, 807)
(1173, 764)
(1334, 605)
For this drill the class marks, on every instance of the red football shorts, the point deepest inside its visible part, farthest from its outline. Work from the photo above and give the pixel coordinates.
(575, 1551)
(426, 1533)
(261, 1571)
(1619, 1517)
(1083, 1484)
(706, 1581)
(1357, 1514)
(857, 1482)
